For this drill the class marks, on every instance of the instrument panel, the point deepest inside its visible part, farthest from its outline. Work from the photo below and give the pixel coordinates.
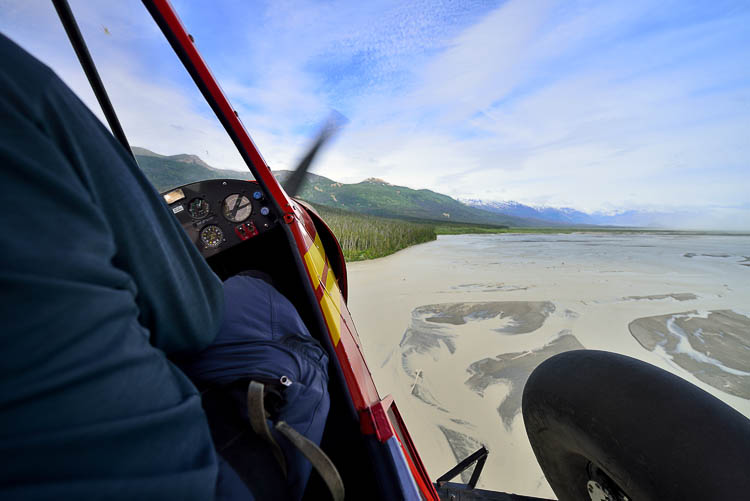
(220, 213)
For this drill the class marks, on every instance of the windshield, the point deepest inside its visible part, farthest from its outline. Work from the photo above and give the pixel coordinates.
(173, 133)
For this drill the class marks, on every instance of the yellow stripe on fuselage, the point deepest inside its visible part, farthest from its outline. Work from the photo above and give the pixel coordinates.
(315, 262)
(330, 305)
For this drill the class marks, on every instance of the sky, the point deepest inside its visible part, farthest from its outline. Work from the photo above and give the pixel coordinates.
(594, 105)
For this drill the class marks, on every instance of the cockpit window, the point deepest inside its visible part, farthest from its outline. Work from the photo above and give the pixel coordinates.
(175, 136)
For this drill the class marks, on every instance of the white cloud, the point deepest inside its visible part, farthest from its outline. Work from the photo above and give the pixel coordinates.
(583, 104)
(520, 108)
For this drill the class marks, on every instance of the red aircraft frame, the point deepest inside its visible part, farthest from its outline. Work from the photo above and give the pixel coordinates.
(378, 416)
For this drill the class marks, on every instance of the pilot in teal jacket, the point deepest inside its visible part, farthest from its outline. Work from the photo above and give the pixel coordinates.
(98, 283)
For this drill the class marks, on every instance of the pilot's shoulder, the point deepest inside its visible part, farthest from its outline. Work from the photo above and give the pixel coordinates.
(31, 89)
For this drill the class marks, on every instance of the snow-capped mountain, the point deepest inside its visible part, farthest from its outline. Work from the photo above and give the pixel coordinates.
(556, 215)
(566, 215)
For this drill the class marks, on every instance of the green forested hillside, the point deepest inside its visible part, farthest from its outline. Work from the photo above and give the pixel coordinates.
(362, 236)
(373, 197)
(167, 172)
(378, 198)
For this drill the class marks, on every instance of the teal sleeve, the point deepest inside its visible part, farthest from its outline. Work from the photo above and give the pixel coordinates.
(98, 282)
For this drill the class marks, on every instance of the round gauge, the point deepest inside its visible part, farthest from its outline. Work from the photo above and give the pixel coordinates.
(212, 236)
(237, 208)
(198, 208)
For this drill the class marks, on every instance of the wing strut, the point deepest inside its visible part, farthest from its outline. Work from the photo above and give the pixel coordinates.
(87, 63)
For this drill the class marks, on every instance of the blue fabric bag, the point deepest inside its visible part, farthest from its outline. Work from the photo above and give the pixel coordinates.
(262, 338)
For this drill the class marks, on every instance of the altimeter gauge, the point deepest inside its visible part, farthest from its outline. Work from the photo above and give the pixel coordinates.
(212, 236)
(198, 208)
(237, 208)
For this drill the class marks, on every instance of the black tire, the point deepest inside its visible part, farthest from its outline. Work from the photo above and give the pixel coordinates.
(653, 434)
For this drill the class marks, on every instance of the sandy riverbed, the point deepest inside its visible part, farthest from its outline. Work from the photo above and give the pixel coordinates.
(453, 328)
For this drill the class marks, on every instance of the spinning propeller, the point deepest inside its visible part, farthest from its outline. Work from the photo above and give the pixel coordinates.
(293, 184)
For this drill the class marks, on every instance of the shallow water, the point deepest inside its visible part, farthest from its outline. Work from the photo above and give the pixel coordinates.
(472, 315)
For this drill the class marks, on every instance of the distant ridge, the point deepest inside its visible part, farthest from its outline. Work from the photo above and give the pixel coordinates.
(143, 152)
(562, 215)
(182, 157)
(372, 196)
(573, 217)
(169, 171)
(380, 198)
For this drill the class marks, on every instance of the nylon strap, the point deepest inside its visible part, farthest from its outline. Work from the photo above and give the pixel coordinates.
(256, 412)
(322, 463)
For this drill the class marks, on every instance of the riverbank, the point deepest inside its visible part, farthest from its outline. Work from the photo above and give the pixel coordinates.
(363, 236)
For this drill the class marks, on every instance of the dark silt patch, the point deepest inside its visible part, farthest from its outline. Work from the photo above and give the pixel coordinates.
(388, 358)
(488, 287)
(715, 349)
(693, 254)
(571, 313)
(431, 331)
(427, 397)
(428, 329)
(422, 337)
(462, 446)
(525, 316)
(514, 369)
(679, 296)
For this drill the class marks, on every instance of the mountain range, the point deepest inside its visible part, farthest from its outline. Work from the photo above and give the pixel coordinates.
(572, 217)
(559, 215)
(380, 198)
(372, 196)
(169, 171)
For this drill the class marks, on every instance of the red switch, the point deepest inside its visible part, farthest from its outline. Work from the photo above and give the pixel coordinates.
(245, 231)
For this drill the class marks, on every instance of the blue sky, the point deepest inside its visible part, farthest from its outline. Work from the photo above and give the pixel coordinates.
(592, 105)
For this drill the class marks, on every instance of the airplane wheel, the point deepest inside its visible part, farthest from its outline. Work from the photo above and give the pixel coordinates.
(606, 426)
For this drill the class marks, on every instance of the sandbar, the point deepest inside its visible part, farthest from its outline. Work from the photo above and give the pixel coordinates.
(714, 347)
(515, 368)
